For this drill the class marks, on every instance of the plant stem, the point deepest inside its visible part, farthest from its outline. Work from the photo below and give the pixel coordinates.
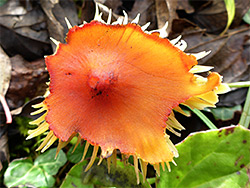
(6, 109)
(204, 118)
(245, 116)
(239, 84)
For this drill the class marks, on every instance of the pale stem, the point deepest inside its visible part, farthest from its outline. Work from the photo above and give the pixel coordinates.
(239, 84)
(6, 109)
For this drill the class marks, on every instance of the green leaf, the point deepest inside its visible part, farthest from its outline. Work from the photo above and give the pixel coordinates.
(24, 172)
(230, 6)
(225, 113)
(48, 162)
(214, 158)
(120, 176)
(246, 17)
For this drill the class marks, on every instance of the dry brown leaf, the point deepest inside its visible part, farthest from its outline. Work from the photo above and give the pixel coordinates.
(147, 10)
(88, 11)
(23, 30)
(226, 52)
(213, 17)
(56, 11)
(12, 7)
(5, 75)
(172, 5)
(54, 26)
(162, 13)
(4, 150)
(32, 83)
(184, 5)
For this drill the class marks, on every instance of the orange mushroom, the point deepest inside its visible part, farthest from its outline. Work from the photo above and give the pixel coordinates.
(116, 86)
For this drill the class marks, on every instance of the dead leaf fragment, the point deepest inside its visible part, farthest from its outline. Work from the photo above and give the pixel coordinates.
(146, 8)
(4, 150)
(226, 55)
(23, 29)
(27, 81)
(88, 11)
(162, 13)
(184, 5)
(56, 12)
(12, 7)
(5, 75)
(54, 26)
(213, 16)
